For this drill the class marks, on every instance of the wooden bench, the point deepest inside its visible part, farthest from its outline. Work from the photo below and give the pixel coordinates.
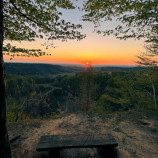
(53, 143)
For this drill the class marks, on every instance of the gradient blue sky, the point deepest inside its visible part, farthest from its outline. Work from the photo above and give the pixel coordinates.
(94, 48)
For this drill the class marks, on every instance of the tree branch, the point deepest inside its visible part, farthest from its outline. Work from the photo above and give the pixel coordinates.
(24, 15)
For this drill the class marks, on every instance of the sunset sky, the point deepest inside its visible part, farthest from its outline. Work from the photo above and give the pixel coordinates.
(94, 48)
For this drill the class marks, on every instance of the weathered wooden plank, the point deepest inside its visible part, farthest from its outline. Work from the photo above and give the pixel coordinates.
(75, 141)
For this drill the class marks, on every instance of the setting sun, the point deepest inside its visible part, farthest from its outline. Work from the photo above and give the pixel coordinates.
(88, 64)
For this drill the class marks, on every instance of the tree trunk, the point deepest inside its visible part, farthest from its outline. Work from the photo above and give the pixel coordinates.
(154, 91)
(154, 94)
(5, 151)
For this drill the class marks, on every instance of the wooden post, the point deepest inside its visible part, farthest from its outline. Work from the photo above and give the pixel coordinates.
(107, 152)
(54, 153)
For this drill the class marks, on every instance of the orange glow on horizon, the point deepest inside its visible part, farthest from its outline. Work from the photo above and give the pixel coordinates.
(64, 60)
(101, 52)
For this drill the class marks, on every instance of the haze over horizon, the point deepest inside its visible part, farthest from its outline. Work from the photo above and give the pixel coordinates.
(74, 64)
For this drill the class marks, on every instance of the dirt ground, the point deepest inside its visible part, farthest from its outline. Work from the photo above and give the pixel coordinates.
(135, 133)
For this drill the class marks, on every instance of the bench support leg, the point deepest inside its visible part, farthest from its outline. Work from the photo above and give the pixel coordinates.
(54, 153)
(107, 152)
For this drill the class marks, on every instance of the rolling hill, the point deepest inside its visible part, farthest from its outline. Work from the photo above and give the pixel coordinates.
(48, 69)
(38, 69)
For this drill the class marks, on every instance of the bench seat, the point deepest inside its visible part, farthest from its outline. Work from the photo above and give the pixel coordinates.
(53, 143)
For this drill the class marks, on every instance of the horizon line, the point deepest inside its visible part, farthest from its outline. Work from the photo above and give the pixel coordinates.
(74, 64)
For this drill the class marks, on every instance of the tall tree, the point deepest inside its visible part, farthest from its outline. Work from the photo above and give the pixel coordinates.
(149, 56)
(4, 141)
(25, 21)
